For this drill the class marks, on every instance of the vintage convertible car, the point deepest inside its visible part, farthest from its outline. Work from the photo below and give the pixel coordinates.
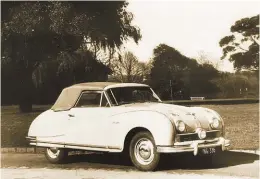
(126, 118)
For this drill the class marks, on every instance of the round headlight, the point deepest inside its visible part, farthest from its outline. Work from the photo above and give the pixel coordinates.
(180, 126)
(214, 123)
(202, 134)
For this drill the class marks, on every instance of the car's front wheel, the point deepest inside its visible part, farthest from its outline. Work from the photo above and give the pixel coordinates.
(55, 155)
(143, 152)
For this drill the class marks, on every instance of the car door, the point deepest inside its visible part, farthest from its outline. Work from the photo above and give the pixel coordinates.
(87, 124)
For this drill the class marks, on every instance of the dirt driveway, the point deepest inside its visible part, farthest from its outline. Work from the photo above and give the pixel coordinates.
(103, 166)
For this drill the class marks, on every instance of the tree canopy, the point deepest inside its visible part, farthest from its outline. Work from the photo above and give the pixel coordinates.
(176, 74)
(242, 47)
(127, 68)
(239, 84)
(36, 32)
(168, 68)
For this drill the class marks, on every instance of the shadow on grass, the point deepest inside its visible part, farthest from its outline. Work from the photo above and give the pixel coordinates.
(171, 161)
(222, 160)
(106, 160)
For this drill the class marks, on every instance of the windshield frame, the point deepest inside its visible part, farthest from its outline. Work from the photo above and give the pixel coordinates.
(116, 101)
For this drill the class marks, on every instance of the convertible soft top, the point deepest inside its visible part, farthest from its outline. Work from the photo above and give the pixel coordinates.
(69, 95)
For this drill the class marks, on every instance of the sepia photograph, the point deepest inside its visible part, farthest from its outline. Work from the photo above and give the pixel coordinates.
(130, 89)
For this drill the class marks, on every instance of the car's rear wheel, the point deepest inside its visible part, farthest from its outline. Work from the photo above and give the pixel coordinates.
(143, 152)
(55, 155)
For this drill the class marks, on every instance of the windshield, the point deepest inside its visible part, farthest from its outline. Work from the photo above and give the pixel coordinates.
(125, 95)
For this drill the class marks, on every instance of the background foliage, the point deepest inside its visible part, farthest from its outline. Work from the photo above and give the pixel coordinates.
(242, 47)
(50, 37)
(49, 45)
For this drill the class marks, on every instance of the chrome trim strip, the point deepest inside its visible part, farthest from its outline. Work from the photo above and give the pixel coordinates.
(101, 99)
(34, 137)
(122, 85)
(30, 138)
(90, 149)
(64, 145)
(198, 141)
(48, 145)
(108, 100)
(50, 142)
(155, 94)
(113, 96)
(196, 133)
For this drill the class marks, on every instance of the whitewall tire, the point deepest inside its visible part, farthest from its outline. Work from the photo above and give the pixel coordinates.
(56, 155)
(143, 152)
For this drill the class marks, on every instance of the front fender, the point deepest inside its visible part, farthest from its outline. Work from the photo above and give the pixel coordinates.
(157, 123)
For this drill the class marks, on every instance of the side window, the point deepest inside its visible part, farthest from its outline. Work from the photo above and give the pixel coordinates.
(89, 100)
(104, 102)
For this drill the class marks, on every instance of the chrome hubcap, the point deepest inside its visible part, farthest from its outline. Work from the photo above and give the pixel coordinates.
(144, 151)
(53, 152)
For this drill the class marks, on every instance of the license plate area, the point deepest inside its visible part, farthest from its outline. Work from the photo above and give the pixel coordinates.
(208, 151)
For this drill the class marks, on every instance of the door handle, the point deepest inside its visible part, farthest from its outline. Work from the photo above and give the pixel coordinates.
(71, 115)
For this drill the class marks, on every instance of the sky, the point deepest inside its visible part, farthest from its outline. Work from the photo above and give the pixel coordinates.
(191, 27)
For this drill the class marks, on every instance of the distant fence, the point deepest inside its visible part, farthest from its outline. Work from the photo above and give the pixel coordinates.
(214, 101)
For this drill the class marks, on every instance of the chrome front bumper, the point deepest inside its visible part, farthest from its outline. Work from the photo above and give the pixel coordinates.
(194, 146)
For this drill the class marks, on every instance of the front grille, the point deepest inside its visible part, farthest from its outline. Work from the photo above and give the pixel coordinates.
(194, 136)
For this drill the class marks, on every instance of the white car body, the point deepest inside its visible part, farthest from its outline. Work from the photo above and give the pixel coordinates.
(106, 128)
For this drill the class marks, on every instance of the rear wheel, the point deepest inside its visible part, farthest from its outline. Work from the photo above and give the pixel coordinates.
(55, 155)
(143, 152)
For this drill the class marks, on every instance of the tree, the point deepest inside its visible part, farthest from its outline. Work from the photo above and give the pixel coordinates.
(35, 32)
(242, 47)
(203, 58)
(127, 68)
(70, 68)
(234, 85)
(174, 75)
(200, 80)
(168, 69)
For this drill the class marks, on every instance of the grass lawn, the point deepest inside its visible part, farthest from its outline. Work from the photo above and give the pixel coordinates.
(15, 125)
(241, 124)
(241, 121)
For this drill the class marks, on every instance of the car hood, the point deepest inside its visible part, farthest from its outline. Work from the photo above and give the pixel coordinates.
(193, 117)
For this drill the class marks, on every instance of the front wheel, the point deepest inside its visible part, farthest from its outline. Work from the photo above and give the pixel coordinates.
(143, 152)
(55, 155)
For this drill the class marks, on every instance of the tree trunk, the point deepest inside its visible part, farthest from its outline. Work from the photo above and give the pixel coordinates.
(25, 91)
